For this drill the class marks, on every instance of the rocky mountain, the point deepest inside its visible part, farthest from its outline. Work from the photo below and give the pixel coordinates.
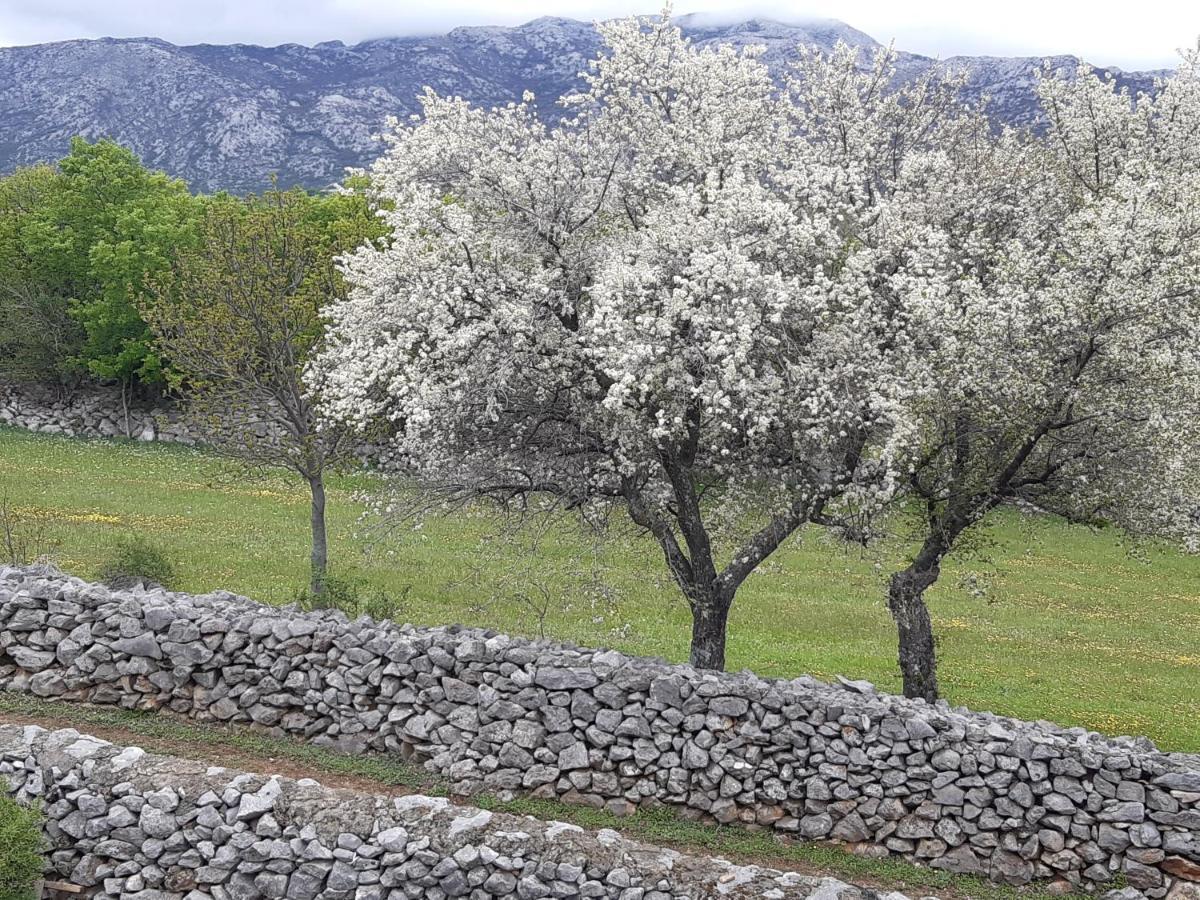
(230, 116)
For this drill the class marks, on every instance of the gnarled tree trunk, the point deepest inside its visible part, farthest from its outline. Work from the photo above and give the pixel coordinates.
(918, 653)
(709, 593)
(710, 616)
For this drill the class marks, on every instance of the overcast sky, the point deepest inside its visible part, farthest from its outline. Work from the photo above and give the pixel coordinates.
(1131, 34)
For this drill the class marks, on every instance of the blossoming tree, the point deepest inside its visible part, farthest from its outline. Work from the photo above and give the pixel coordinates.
(658, 304)
(706, 298)
(1060, 299)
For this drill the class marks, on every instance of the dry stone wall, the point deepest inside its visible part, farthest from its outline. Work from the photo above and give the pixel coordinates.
(91, 412)
(100, 412)
(131, 825)
(968, 792)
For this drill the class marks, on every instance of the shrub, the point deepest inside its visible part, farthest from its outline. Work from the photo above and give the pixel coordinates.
(138, 560)
(27, 536)
(20, 850)
(352, 595)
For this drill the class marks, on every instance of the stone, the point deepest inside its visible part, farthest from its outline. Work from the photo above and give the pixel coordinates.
(1181, 868)
(1060, 803)
(946, 760)
(1180, 781)
(961, 861)
(393, 840)
(141, 645)
(158, 618)
(913, 827)
(1122, 812)
(1131, 790)
(851, 829)
(530, 888)
(666, 690)
(1010, 868)
(573, 757)
(1114, 840)
(818, 826)
(459, 691)
(1021, 794)
(918, 729)
(500, 884)
(28, 658)
(1142, 877)
(1125, 893)
(251, 806)
(47, 684)
(950, 795)
(342, 877)
(1182, 845)
(157, 823)
(1184, 890)
(856, 686)
(729, 706)
(1145, 834)
(559, 679)
(694, 757)
(306, 883)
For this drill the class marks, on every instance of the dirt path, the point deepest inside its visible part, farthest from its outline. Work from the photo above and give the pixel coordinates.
(216, 752)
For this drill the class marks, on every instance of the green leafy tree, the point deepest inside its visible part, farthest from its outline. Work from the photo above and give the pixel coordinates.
(78, 245)
(39, 339)
(238, 317)
(119, 344)
(120, 224)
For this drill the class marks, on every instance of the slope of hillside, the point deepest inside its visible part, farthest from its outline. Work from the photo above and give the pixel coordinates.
(230, 116)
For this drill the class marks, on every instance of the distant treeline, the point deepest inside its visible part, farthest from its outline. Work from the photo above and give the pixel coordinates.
(90, 243)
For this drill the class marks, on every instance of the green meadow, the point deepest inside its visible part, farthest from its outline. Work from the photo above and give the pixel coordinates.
(1038, 620)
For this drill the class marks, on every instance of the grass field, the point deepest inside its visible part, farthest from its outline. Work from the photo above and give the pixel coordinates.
(1073, 627)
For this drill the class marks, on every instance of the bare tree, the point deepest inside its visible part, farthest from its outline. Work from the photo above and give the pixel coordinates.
(239, 316)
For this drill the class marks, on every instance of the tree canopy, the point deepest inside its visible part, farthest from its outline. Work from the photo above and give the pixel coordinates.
(78, 242)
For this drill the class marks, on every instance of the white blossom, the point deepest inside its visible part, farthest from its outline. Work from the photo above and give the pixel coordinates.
(707, 297)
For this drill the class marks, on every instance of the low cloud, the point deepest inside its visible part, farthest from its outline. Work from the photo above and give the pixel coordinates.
(1107, 35)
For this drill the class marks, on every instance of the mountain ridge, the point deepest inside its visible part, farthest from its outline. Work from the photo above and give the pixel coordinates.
(229, 116)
